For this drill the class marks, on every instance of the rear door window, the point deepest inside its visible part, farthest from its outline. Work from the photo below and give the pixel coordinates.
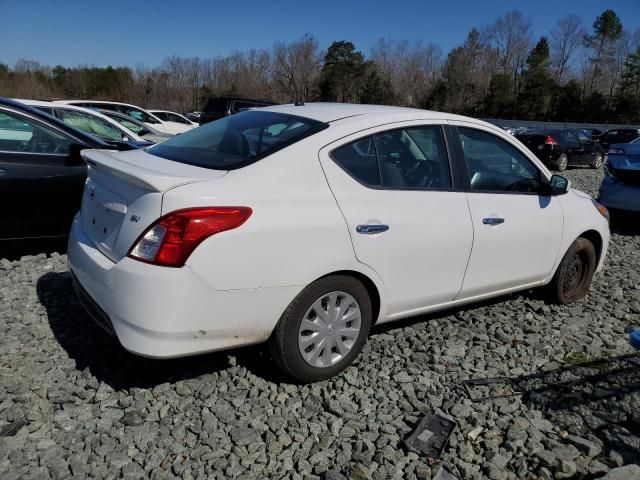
(238, 140)
(359, 160)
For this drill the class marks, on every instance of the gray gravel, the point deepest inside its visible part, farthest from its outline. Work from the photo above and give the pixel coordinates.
(92, 410)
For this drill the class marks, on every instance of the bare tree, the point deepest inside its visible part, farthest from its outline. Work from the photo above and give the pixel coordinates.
(296, 68)
(511, 36)
(565, 41)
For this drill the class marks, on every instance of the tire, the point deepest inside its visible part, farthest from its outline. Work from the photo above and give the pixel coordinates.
(597, 161)
(289, 339)
(562, 162)
(573, 277)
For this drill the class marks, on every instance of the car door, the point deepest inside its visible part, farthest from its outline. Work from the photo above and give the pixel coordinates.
(39, 192)
(517, 230)
(571, 146)
(395, 190)
(589, 148)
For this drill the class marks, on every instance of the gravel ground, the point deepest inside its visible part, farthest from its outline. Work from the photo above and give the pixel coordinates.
(92, 410)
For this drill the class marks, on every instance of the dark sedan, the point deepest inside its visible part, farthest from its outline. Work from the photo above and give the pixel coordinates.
(41, 172)
(618, 135)
(559, 149)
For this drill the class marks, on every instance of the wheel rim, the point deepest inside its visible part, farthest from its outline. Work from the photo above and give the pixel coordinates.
(597, 161)
(563, 162)
(575, 274)
(329, 329)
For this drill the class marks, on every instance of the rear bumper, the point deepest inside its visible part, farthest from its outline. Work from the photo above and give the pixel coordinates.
(163, 312)
(617, 195)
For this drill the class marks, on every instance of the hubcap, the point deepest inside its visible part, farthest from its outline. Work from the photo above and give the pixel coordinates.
(575, 274)
(563, 163)
(329, 329)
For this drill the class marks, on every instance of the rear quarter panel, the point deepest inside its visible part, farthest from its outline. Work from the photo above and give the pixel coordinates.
(295, 234)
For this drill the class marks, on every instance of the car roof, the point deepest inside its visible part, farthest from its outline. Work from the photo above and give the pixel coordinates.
(90, 111)
(331, 112)
(45, 117)
(106, 102)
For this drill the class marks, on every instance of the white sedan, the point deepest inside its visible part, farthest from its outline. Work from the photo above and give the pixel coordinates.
(304, 225)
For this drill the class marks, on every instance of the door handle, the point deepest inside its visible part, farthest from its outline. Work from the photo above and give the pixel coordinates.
(492, 221)
(371, 229)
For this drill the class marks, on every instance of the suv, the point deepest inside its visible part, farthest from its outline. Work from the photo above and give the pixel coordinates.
(218, 107)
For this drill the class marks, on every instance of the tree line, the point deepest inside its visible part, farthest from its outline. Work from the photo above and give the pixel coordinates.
(573, 73)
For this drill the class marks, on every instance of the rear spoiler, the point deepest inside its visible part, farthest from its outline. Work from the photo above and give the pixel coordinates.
(111, 162)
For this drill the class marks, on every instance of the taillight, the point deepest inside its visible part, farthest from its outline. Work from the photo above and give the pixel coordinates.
(550, 140)
(172, 238)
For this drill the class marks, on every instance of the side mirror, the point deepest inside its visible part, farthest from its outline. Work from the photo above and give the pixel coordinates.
(559, 185)
(74, 158)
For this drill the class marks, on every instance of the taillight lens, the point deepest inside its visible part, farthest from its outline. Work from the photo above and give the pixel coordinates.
(550, 140)
(172, 238)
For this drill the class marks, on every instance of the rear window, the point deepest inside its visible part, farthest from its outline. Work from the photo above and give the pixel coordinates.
(235, 141)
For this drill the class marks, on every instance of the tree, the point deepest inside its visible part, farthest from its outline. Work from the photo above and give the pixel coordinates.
(537, 82)
(607, 28)
(343, 73)
(566, 39)
(511, 37)
(375, 89)
(296, 68)
(498, 102)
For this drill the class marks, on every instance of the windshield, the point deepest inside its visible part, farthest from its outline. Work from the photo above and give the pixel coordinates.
(135, 126)
(235, 141)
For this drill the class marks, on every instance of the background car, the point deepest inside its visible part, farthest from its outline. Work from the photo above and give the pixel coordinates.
(618, 135)
(620, 188)
(143, 130)
(132, 111)
(91, 122)
(219, 107)
(41, 172)
(167, 116)
(387, 213)
(561, 148)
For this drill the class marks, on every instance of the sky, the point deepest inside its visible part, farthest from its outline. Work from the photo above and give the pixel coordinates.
(134, 32)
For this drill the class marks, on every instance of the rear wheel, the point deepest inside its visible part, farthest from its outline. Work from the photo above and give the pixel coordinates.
(323, 329)
(562, 162)
(597, 161)
(573, 277)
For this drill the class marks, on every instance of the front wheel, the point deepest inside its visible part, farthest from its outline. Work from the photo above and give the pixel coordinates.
(597, 161)
(323, 329)
(573, 277)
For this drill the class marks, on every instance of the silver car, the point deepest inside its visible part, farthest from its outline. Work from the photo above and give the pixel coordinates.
(620, 188)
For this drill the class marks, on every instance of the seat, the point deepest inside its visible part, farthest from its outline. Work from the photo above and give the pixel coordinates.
(234, 143)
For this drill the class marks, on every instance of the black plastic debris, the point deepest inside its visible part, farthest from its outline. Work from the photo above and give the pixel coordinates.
(431, 435)
(11, 429)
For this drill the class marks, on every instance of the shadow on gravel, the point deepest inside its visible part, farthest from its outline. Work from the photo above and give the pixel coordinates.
(14, 250)
(625, 223)
(104, 357)
(594, 400)
(565, 387)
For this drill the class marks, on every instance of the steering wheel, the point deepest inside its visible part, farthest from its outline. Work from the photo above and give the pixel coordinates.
(421, 174)
(522, 185)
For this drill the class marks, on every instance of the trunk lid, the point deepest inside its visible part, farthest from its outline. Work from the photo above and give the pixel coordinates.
(532, 141)
(123, 195)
